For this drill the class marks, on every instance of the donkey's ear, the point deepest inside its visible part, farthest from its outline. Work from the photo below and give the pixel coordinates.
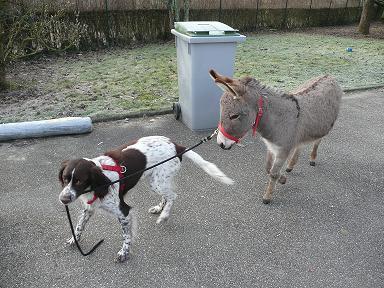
(99, 182)
(225, 83)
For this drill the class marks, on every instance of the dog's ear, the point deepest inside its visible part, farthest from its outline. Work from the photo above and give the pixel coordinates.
(63, 166)
(99, 182)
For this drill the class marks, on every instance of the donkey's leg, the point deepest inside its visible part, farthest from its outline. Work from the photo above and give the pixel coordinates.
(269, 160)
(314, 152)
(268, 166)
(274, 175)
(293, 160)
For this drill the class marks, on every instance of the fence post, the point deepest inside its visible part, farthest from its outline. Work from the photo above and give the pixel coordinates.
(346, 18)
(257, 11)
(329, 11)
(107, 37)
(309, 14)
(284, 24)
(220, 11)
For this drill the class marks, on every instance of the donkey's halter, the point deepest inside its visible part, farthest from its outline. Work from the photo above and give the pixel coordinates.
(258, 116)
(255, 124)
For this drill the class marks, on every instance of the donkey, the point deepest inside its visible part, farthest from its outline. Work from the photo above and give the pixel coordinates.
(285, 121)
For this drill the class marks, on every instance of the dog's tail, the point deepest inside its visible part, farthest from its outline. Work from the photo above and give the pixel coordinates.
(208, 167)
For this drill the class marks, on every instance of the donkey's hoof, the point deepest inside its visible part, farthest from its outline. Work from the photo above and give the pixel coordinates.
(312, 163)
(289, 169)
(282, 179)
(266, 201)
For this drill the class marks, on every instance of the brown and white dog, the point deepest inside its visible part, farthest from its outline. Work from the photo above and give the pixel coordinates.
(95, 175)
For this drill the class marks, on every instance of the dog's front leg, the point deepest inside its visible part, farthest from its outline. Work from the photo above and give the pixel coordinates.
(83, 219)
(123, 212)
(126, 225)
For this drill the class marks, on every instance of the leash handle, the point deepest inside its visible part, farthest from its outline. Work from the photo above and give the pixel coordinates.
(74, 236)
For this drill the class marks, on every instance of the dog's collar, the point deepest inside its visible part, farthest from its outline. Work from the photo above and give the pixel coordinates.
(116, 168)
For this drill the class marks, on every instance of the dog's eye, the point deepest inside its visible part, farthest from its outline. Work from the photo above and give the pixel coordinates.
(234, 116)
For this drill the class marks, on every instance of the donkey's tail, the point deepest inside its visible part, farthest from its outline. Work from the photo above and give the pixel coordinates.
(208, 167)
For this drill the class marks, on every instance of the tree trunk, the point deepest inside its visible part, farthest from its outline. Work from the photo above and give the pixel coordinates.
(174, 11)
(3, 81)
(366, 17)
(170, 13)
(186, 10)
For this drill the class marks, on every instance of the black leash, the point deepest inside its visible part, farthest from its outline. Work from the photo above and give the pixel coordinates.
(203, 140)
(74, 236)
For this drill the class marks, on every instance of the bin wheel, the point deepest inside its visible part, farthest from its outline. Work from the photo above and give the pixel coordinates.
(176, 110)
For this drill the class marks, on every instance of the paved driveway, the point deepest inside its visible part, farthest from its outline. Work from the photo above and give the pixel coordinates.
(324, 228)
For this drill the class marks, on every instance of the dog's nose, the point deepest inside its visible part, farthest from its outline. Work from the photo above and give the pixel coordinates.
(65, 199)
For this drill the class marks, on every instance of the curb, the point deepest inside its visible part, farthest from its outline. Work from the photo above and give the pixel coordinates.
(363, 88)
(144, 113)
(164, 111)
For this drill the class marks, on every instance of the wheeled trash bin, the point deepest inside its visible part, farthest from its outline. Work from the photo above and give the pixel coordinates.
(200, 46)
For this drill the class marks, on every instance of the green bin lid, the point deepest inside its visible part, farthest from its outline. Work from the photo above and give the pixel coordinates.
(205, 28)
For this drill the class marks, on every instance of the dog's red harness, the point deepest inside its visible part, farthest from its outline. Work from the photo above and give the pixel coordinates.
(117, 168)
(254, 125)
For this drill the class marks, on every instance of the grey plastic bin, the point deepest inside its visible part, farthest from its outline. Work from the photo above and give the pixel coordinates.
(202, 46)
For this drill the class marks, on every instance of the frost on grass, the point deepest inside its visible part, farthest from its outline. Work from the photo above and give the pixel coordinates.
(118, 81)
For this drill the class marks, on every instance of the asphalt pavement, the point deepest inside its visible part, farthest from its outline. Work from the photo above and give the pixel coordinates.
(324, 227)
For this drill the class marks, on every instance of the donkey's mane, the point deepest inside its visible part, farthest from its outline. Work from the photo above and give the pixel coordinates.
(309, 85)
(268, 91)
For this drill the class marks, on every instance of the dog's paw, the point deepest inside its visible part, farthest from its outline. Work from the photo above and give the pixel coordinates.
(70, 241)
(122, 256)
(161, 220)
(155, 209)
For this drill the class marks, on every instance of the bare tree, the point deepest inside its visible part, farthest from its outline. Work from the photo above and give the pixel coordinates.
(173, 11)
(3, 9)
(366, 16)
(174, 7)
(186, 10)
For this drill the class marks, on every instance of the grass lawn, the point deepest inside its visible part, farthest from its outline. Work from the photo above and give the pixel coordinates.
(114, 82)
(289, 59)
